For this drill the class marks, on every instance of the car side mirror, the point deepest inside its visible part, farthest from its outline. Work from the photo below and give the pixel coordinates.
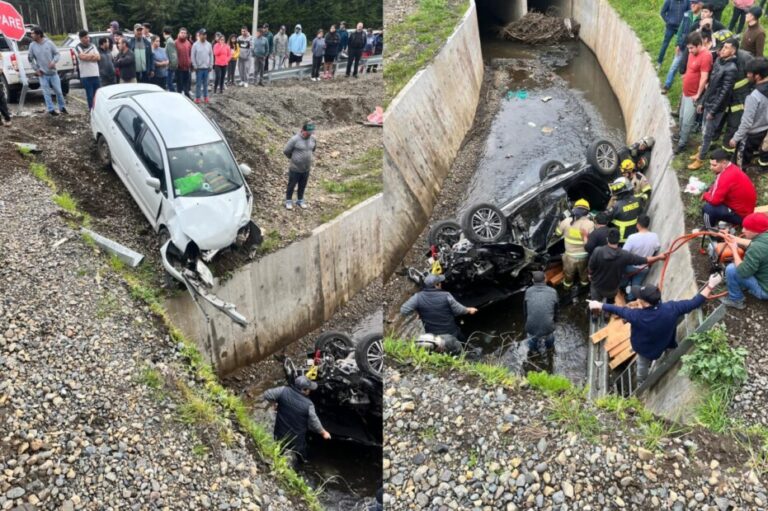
(153, 182)
(245, 169)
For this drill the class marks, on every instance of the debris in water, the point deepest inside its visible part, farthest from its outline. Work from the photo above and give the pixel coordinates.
(532, 125)
(546, 130)
(536, 28)
(546, 99)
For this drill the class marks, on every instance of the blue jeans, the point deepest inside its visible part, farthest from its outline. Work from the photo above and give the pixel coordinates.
(91, 85)
(673, 70)
(169, 81)
(736, 284)
(549, 342)
(714, 214)
(49, 82)
(201, 83)
(668, 35)
(636, 279)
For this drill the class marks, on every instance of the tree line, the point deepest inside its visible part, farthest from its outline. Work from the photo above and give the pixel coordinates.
(227, 16)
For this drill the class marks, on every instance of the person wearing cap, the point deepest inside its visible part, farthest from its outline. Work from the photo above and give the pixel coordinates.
(202, 63)
(753, 126)
(540, 306)
(731, 197)
(749, 272)
(143, 58)
(355, 45)
(297, 45)
(607, 265)
(270, 37)
(654, 325)
(88, 56)
(300, 150)
(245, 42)
(753, 38)
(436, 308)
(643, 243)
(575, 230)
(296, 414)
(280, 48)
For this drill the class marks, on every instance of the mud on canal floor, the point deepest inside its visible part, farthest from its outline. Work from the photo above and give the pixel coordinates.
(257, 122)
(566, 104)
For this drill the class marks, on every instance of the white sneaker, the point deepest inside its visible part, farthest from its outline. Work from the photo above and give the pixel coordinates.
(288, 204)
(245, 85)
(301, 204)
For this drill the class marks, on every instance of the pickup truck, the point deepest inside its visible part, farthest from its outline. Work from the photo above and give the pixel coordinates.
(10, 79)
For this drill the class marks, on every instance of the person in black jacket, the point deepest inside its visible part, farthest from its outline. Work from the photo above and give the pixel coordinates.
(718, 6)
(717, 98)
(125, 64)
(332, 47)
(436, 308)
(355, 47)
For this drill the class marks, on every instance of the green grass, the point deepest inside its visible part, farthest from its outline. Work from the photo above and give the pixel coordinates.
(271, 243)
(712, 412)
(570, 410)
(620, 406)
(548, 383)
(200, 450)
(412, 44)
(40, 171)
(657, 430)
(151, 377)
(65, 201)
(106, 306)
(362, 179)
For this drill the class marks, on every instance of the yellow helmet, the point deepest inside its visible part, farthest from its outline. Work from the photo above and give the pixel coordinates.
(581, 203)
(627, 166)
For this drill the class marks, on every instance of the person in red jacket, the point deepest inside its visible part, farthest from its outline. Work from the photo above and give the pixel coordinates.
(184, 55)
(732, 196)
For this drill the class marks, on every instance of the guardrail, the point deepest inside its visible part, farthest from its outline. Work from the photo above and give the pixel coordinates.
(301, 72)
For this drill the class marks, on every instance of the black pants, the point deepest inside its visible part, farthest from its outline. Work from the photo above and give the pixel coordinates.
(221, 73)
(296, 178)
(751, 147)
(4, 105)
(732, 121)
(739, 17)
(183, 82)
(317, 63)
(231, 71)
(354, 60)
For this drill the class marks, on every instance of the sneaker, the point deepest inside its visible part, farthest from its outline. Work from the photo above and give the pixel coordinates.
(7, 122)
(206, 101)
(740, 305)
(197, 101)
(63, 111)
(53, 113)
(301, 204)
(245, 85)
(261, 84)
(288, 204)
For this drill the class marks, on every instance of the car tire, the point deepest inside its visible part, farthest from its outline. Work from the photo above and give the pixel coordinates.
(337, 344)
(11, 94)
(105, 155)
(484, 223)
(369, 355)
(549, 168)
(603, 157)
(444, 232)
(65, 87)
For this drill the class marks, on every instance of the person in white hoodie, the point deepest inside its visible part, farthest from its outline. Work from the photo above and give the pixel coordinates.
(202, 63)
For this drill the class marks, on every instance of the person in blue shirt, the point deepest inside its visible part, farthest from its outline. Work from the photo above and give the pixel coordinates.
(672, 13)
(654, 326)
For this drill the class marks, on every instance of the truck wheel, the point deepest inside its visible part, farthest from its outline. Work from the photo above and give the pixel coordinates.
(444, 232)
(369, 355)
(484, 223)
(603, 157)
(65, 87)
(11, 94)
(336, 344)
(549, 168)
(105, 156)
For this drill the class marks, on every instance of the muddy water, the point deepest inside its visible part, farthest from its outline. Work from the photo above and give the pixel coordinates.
(524, 134)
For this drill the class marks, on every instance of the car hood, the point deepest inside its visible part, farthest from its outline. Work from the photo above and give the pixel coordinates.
(212, 222)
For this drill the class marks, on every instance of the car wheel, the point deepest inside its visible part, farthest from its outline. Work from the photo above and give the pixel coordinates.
(444, 232)
(65, 87)
(603, 157)
(369, 355)
(549, 168)
(11, 95)
(484, 223)
(105, 155)
(336, 344)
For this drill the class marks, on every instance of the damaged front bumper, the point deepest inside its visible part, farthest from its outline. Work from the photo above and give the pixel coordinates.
(198, 283)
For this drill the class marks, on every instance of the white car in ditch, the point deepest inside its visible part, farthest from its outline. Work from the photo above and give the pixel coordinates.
(182, 174)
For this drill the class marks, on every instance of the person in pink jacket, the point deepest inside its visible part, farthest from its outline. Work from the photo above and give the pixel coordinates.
(222, 53)
(740, 8)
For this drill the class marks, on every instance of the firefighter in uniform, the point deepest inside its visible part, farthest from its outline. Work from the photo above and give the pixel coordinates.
(639, 153)
(575, 230)
(627, 208)
(735, 109)
(640, 184)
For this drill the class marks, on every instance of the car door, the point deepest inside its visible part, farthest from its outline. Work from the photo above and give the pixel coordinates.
(125, 130)
(150, 163)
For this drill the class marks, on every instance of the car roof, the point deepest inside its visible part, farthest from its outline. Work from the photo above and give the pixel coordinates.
(180, 122)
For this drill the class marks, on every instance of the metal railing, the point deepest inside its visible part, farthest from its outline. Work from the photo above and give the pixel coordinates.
(597, 361)
(302, 72)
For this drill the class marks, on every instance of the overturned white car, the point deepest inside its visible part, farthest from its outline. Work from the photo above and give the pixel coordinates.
(181, 172)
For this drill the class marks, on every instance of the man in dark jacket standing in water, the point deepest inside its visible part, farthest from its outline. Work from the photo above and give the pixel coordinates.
(540, 305)
(296, 414)
(436, 308)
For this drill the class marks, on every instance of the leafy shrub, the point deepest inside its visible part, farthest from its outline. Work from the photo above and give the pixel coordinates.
(714, 362)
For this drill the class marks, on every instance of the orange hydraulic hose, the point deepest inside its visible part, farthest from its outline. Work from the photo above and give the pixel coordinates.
(677, 243)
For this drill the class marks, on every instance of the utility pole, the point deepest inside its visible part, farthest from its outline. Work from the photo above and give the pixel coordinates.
(255, 16)
(82, 15)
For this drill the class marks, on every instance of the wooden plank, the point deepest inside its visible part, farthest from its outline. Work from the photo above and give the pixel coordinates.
(554, 274)
(621, 358)
(617, 337)
(618, 348)
(612, 328)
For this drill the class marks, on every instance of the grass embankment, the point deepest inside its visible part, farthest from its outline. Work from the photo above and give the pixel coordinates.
(361, 178)
(569, 406)
(414, 42)
(208, 406)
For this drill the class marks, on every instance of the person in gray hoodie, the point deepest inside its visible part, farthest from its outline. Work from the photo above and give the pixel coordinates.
(300, 149)
(753, 128)
(202, 63)
(260, 54)
(281, 48)
(540, 306)
(43, 55)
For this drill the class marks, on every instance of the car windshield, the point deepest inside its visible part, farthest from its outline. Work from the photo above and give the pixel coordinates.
(203, 170)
